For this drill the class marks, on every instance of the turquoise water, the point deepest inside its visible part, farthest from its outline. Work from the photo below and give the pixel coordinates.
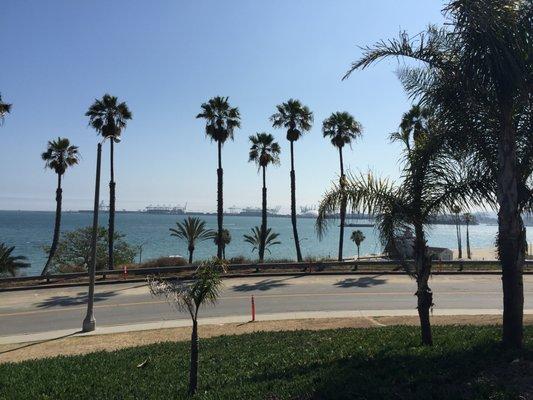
(30, 231)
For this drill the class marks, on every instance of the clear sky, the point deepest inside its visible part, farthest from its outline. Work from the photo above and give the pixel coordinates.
(164, 58)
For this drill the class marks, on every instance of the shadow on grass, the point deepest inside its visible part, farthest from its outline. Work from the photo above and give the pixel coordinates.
(25, 346)
(75, 300)
(364, 281)
(482, 372)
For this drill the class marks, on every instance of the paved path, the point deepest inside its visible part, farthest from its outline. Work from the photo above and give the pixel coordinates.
(45, 310)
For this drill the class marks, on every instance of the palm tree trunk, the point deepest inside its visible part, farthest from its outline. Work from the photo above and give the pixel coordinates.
(343, 207)
(293, 206)
(220, 199)
(458, 234)
(459, 238)
(263, 219)
(57, 226)
(191, 251)
(358, 252)
(193, 373)
(468, 252)
(423, 293)
(111, 230)
(511, 238)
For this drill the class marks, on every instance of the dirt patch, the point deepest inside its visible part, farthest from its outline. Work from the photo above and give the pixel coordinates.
(73, 345)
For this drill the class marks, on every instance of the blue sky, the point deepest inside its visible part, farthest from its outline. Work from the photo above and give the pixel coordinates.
(167, 57)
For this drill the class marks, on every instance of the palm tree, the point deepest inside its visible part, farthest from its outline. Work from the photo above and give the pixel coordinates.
(297, 119)
(192, 230)
(226, 240)
(357, 237)
(342, 129)
(5, 109)
(433, 182)
(457, 219)
(220, 121)
(9, 264)
(468, 218)
(255, 239)
(109, 118)
(59, 156)
(190, 296)
(476, 72)
(264, 151)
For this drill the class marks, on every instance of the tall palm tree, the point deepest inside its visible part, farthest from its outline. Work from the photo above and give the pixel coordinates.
(190, 296)
(109, 118)
(297, 119)
(468, 218)
(226, 239)
(192, 230)
(220, 122)
(5, 109)
(9, 264)
(476, 72)
(342, 128)
(457, 219)
(264, 151)
(358, 237)
(433, 182)
(59, 156)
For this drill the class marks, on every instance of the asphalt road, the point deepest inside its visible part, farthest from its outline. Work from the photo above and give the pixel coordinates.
(46, 310)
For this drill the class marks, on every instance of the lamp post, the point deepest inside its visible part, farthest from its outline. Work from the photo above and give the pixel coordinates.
(89, 322)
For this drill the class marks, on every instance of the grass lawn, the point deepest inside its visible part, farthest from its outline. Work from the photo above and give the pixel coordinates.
(383, 363)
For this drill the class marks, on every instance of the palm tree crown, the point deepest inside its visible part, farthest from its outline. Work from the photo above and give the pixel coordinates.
(357, 237)
(60, 155)
(341, 128)
(192, 230)
(413, 127)
(264, 150)
(107, 116)
(220, 119)
(255, 238)
(9, 264)
(294, 116)
(5, 108)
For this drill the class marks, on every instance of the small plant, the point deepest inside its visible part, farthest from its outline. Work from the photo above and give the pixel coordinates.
(9, 264)
(189, 296)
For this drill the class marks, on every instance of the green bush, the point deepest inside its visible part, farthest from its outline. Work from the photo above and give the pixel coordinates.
(74, 250)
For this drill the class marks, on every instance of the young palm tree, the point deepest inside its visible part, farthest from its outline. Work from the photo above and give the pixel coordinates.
(433, 182)
(476, 73)
(255, 239)
(9, 264)
(5, 109)
(190, 296)
(297, 119)
(59, 156)
(342, 129)
(220, 122)
(457, 219)
(226, 240)
(192, 230)
(468, 218)
(264, 151)
(109, 118)
(358, 237)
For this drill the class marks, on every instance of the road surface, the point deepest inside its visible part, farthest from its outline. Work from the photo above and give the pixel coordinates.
(44, 310)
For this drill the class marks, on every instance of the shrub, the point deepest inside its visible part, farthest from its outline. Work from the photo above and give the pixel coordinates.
(74, 250)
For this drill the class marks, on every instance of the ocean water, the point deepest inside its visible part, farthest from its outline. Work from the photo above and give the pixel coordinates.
(30, 231)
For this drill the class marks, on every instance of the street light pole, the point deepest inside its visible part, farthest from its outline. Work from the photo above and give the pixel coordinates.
(89, 322)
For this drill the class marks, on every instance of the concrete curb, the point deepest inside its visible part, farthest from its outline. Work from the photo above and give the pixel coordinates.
(179, 323)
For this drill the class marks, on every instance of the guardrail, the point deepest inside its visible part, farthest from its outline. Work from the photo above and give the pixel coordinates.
(309, 266)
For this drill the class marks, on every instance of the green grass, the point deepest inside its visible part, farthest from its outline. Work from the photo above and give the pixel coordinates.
(387, 363)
